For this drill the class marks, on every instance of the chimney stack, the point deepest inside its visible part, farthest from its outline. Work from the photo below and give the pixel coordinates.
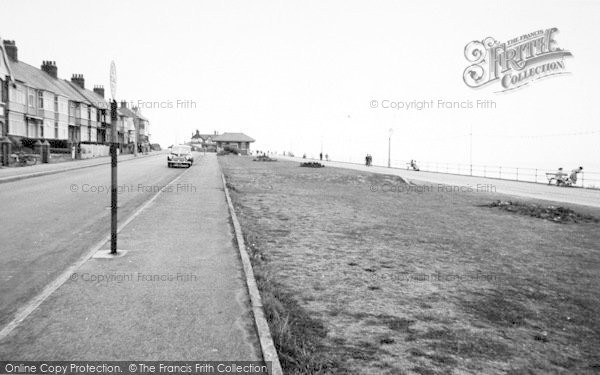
(50, 68)
(78, 80)
(11, 50)
(99, 89)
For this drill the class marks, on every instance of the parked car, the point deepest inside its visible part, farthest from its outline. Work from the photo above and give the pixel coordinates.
(180, 155)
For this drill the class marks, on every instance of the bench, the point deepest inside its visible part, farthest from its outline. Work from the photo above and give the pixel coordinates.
(560, 178)
(414, 166)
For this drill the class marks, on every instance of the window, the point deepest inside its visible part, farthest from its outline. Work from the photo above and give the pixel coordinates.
(63, 106)
(55, 103)
(31, 97)
(17, 95)
(40, 99)
(74, 109)
(55, 129)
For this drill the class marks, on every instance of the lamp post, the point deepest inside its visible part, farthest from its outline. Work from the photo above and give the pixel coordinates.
(390, 148)
(471, 151)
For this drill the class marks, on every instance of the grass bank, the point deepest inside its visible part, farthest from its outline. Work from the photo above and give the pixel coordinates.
(361, 273)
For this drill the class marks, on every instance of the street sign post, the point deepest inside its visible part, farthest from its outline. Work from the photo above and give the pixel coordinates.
(114, 118)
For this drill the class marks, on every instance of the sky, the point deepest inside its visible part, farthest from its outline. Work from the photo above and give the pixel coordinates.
(302, 76)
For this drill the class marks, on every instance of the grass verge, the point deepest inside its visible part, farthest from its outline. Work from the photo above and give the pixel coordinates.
(362, 273)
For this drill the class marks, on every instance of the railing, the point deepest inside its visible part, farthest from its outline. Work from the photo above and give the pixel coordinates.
(585, 179)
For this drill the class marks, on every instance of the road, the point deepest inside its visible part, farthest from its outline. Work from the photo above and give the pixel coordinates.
(51, 221)
(177, 291)
(585, 197)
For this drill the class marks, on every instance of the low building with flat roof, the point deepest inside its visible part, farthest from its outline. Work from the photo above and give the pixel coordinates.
(239, 141)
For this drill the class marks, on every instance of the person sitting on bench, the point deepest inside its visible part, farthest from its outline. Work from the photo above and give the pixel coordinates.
(413, 165)
(560, 176)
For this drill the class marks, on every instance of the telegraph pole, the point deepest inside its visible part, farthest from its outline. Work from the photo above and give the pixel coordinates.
(390, 148)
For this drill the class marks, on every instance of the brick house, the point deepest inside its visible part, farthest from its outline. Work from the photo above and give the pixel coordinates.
(205, 141)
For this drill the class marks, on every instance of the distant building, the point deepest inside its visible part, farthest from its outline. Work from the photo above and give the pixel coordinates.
(126, 125)
(143, 128)
(205, 141)
(239, 141)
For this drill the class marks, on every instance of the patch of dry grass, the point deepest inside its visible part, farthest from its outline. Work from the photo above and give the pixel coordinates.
(430, 282)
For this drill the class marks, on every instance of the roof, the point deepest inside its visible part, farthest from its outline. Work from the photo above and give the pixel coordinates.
(204, 136)
(5, 69)
(232, 137)
(93, 98)
(39, 79)
(69, 91)
(124, 111)
(139, 115)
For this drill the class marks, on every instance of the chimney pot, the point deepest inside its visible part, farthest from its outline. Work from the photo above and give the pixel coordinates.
(78, 80)
(99, 90)
(50, 68)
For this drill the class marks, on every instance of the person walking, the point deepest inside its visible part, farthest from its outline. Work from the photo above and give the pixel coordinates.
(573, 176)
(321, 156)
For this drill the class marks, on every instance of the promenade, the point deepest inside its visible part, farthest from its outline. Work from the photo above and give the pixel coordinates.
(553, 193)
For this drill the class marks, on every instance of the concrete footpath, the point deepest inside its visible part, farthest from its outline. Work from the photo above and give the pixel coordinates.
(8, 174)
(178, 293)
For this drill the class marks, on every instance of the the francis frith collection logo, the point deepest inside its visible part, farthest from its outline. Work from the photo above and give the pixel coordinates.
(514, 63)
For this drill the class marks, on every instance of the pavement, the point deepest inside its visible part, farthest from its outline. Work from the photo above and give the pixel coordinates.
(177, 293)
(552, 193)
(8, 174)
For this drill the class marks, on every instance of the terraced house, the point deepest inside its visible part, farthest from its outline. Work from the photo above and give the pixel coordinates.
(5, 78)
(37, 105)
